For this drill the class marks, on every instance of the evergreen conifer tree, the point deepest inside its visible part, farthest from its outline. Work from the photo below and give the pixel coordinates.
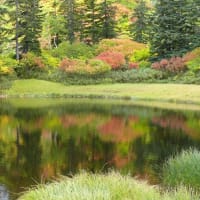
(27, 19)
(139, 25)
(107, 15)
(174, 28)
(69, 10)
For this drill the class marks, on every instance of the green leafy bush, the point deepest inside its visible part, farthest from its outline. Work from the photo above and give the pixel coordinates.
(136, 75)
(183, 169)
(6, 77)
(194, 64)
(49, 60)
(144, 64)
(98, 66)
(73, 51)
(189, 77)
(140, 55)
(7, 61)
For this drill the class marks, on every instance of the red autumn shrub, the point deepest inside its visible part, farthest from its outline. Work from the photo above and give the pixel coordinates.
(115, 59)
(172, 65)
(133, 65)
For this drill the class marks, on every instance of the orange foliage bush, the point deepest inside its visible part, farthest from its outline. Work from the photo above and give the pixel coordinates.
(173, 65)
(115, 59)
(124, 46)
(67, 64)
(92, 66)
(192, 55)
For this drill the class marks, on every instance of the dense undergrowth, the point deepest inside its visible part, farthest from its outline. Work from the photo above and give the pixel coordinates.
(111, 61)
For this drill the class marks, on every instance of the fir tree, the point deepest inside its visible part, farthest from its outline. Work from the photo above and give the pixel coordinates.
(3, 10)
(27, 20)
(31, 24)
(92, 27)
(69, 9)
(174, 28)
(107, 14)
(139, 26)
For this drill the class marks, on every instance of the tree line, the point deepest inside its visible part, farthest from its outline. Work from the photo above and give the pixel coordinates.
(170, 27)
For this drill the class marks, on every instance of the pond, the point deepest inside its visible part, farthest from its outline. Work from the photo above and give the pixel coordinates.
(42, 139)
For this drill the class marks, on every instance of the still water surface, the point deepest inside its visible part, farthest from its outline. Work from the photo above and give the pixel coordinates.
(42, 141)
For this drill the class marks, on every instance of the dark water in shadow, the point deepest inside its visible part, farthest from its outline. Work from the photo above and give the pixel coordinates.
(37, 144)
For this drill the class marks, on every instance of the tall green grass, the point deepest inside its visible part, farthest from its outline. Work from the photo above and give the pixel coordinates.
(104, 187)
(183, 169)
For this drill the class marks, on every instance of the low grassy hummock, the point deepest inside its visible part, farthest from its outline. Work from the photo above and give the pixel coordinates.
(104, 187)
(183, 169)
(181, 93)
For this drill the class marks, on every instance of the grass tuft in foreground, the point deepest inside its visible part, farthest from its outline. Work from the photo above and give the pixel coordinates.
(183, 169)
(104, 187)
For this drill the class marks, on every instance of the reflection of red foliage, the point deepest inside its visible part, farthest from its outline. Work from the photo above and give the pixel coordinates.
(46, 135)
(118, 129)
(177, 123)
(74, 120)
(69, 120)
(172, 122)
(120, 161)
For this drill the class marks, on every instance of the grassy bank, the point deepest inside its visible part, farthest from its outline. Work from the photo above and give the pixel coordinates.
(155, 92)
(107, 187)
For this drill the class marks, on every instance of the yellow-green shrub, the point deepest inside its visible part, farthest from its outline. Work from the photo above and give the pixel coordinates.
(49, 60)
(140, 55)
(192, 59)
(124, 46)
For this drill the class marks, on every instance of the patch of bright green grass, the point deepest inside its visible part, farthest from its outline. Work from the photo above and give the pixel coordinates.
(160, 92)
(183, 169)
(104, 187)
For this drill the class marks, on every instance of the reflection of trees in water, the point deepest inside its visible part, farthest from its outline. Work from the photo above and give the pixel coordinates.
(154, 148)
(83, 149)
(30, 153)
(51, 142)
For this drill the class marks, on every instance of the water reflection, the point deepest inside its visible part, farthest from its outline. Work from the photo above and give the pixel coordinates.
(38, 144)
(3, 193)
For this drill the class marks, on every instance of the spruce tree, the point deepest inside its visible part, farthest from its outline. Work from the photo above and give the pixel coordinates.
(69, 10)
(3, 10)
(174, 28)
(27, 19)
(31, 24)
(92, 21)
(107, 15)
(139, 25)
